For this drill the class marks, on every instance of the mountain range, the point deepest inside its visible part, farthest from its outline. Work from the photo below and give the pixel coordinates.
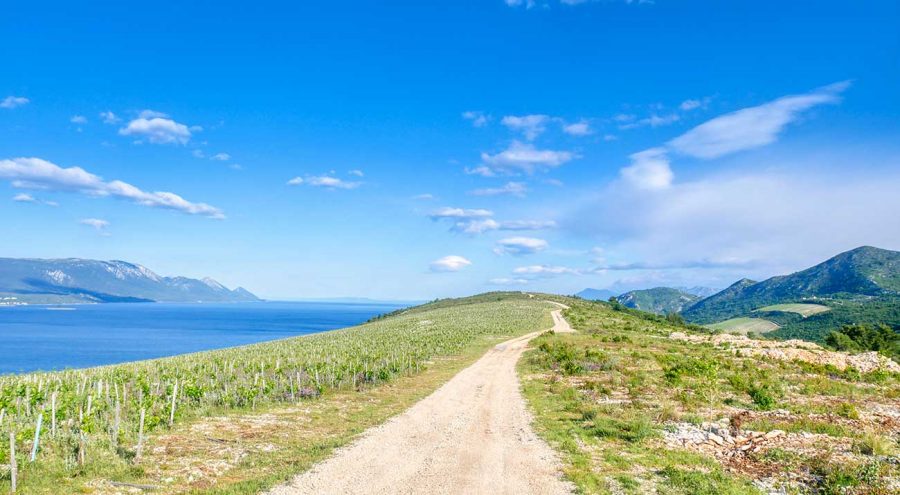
(858, 286)
(51, 281)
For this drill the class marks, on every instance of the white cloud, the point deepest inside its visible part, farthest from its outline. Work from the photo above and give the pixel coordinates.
(96, 223)
(78, 119)
(649, 170)
(521, 158)
(325, 181)
(220, 157)
(357, 173)
(508, 281)
(198, 153)
(531, 126)
(478, 119)
(109, 118)
(35, 173)
(511, 188)
(14, 101)
(157, 128)
(580, 128)
(450, 263)
(755, 224)
(752, 127)
(460, 213)
(518, 246)
(545, 270)
(424, 197)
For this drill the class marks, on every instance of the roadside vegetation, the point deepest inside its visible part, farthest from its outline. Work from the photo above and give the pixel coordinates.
(635, 411)
(242, 419)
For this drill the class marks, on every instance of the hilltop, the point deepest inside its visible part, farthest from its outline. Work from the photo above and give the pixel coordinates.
(73, 280)
(858, 286)
(659, 300)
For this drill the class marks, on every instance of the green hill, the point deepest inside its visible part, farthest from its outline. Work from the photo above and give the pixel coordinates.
(862, 285)
(659, 300)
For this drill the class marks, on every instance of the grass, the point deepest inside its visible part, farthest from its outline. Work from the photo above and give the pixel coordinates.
(249, 417)
(609, 396)
(801, 309)
(744, 325)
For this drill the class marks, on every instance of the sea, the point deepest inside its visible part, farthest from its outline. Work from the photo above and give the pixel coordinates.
(45, 338)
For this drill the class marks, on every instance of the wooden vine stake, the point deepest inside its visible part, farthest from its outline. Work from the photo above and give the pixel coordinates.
(12, 461)
(37, 436)
(172, 411)
(140, 445)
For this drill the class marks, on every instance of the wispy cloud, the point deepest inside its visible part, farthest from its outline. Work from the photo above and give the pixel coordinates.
(27, 198)
(521, 158)
(478, 119)
(221, 157)
(324, 181)
(158, 128)
(510, 188)
(531, 126)
(504, 281)
(519, 246)
(460, 213)
(654, 120)
(744, 129)
(356, 173)
(423, 197)
(96, 223)
(693, 104)
(649, 169)
(78, 119)
(108, 117)
(13, 102)
(35, 173)
(545, 270)
(752, 127)
(450, 263)
(580, 128)
(478, 221)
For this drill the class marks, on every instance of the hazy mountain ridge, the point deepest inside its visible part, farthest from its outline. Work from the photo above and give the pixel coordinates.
(80, 280)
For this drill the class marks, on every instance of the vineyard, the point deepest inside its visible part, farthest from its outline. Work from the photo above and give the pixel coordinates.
(78, 421)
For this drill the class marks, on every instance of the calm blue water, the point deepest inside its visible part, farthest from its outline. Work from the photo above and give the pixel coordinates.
(37, 338)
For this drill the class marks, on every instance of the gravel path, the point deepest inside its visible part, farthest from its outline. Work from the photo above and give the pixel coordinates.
(471, 436)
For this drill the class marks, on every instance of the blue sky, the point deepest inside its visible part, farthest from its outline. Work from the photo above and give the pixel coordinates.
(425, 149)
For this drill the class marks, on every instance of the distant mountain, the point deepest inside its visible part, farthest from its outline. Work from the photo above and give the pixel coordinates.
(659, 300)
(859, 286)
(596, 294)
(78, 280)
(860, 273)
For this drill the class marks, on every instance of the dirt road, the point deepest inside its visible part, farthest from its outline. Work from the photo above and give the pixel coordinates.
(471, 436)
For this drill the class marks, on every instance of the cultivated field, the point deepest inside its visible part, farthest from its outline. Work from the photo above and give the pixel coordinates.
(744, 325)
(633, 410)
(803, 310)
(123, 423)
